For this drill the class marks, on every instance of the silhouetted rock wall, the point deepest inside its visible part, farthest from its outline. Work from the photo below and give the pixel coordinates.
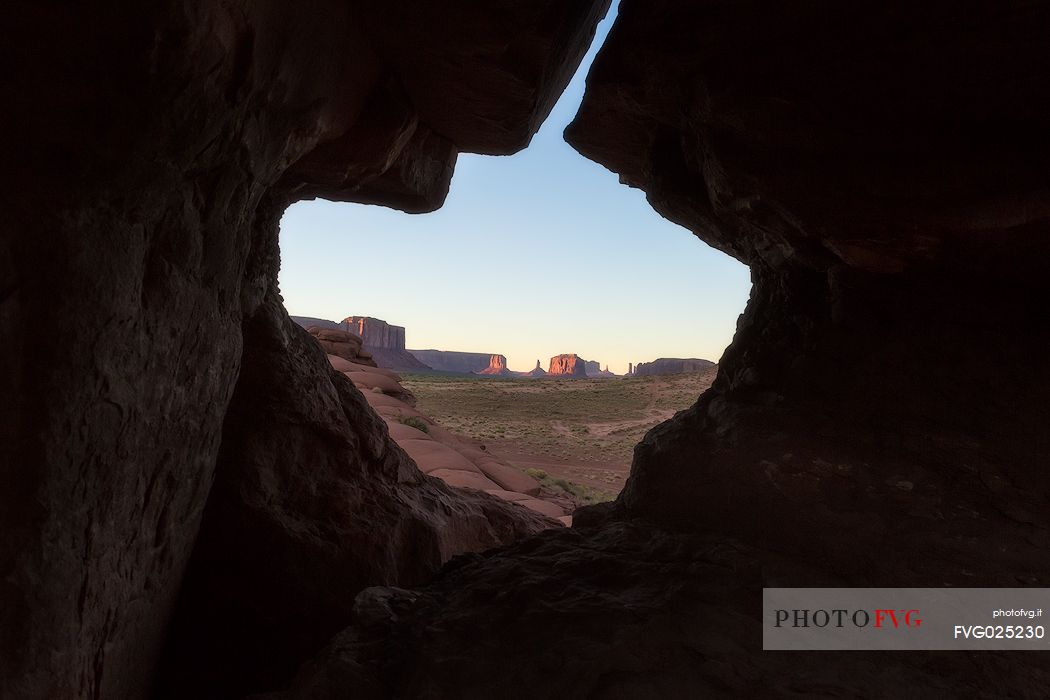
(880, 417)
(155, 147)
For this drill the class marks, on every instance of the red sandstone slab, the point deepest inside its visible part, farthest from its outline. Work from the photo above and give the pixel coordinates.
(508, 477)
(341, 364)
(512, 496)
(370, 380)
(348, 366)
(545, 507)
(400, 431)
(390, 406)
(430, 456)
(463, 479)
(395, 413)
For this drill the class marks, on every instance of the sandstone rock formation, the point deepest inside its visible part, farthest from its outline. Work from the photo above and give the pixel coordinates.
(567, 366)
(455, 460)
(155, 147)
(536, 371)
(309, 321)
(460, 462)
(672, 365)
(384, 342)
(342, 344)
(879, 420)
(385, 346)
(595, 371)
(438, 452)
(376, 333)
(306, 474)
(376, 380)
(453, 361)
(592, 368)
(859, 432)
(866, 276)
(497, 366)
(632, 635)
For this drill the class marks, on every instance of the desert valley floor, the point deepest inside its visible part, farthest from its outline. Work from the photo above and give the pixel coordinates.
(580, 433)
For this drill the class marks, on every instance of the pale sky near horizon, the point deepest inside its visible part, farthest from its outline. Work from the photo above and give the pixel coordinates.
(532, 255)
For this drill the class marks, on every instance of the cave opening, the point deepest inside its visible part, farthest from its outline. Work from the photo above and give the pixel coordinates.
(534, 255)
(196, 503)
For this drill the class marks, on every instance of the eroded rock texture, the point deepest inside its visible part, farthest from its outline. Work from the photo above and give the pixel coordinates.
(155, 146)
(536, 371)
(384, 341)
(880, 418)
(627, 611)
(377, 333)
(567, 366)
(497, 366)
(672, 365)
(455, 361)
(294, 526)
(342, 344)
(879, 173)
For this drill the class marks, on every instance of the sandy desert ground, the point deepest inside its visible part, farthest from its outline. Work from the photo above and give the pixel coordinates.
(574, 434)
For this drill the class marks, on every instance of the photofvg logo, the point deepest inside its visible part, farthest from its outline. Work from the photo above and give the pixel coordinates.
(903, 618)
(839, 617)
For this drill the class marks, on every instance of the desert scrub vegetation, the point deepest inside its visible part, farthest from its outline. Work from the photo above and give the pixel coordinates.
(415, 422)
(588, 421)
(502, 400)
(584, 495)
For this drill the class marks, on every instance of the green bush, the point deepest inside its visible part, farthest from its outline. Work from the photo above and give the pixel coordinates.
(416, 422)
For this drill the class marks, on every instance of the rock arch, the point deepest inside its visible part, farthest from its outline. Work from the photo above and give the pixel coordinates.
(879, 168)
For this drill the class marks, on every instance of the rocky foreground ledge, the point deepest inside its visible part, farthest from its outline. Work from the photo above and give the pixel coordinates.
(456, 460)
(625, 610)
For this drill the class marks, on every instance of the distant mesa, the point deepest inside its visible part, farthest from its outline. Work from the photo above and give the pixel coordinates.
(386, 342)
(381, 341)
(672, 365)
(572, 365)
(567, 366)
(452, 361)
(497, 366)
(594, 370)
(371, 341)
(375, 333)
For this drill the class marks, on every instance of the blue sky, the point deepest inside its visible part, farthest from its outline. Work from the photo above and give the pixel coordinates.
(533, 255)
